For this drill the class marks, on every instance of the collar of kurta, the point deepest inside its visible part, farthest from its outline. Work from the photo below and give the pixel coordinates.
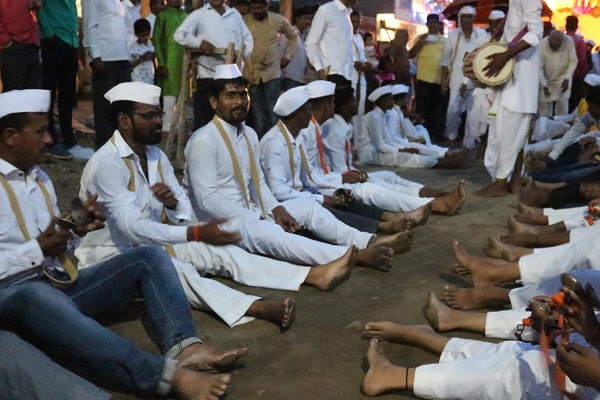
(129, 4)
(342, 121)
(342, 7)
(228, 10)
(125, 151)
(232, 130)
(8, 169)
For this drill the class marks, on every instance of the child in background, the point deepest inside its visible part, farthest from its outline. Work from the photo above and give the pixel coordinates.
(371, 49)
(141, 53)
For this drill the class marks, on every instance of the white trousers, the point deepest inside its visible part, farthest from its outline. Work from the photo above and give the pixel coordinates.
(506, 139)
(380, 196)
(582, 252)
(405, 160)
(267, 238)
(457, 104)
(477, 116)
(432, 150)
(392, 181)
(571, 217)
(546, 128)
(552, 108)
(470, 369)
(236, 264)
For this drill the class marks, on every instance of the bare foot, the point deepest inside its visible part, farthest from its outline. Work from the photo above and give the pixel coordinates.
(202, 357)
(382, 375)
(474, 298)
(396, 333)
(508, 252)
(528, 240)
(533, 219)
(395, 225)
(420, 215)
(524, 208)
(281, 313)
(452, 202)
(380, 257)
(329, 276)
(590, 190)
(193, 385)
(495, 189)
(515, 226)
(534, 196)
(400, 241)
(484, 271)
(453, 159)
(440, 316)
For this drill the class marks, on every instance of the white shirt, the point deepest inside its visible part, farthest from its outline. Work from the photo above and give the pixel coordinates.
(133, 217)
(275, 162)
(573, 134)
(555, 67)
(296, 69)
(337, 136)
(329, 42)
(210, 179)
(219, 29)
(455, 47)
(372, 136)
(520, 94)
(105, 30)
(16, 254)
(144, 71)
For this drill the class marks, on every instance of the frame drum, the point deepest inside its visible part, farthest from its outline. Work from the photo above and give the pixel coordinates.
(480, 61)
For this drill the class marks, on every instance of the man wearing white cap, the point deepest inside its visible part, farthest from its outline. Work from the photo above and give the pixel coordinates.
(224, 179)
(375, 145)
(461, 40)
(285, 167)
(322, 99)
(208, 31)
(43, 298)
(516, 101)
(146, 205)
(558, 61)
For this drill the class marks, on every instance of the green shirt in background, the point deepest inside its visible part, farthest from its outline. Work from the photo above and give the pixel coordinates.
(59, 18)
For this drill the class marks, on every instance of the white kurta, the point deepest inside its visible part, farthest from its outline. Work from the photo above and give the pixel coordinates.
(134, 218)
(359, 82)
(214, 192)
(374, 145)
(401, 130)
(367, 192)
(455, 47)
(556, 67)
(517, 100)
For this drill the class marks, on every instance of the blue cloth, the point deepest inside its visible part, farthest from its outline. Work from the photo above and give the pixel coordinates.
(27, 373)
(263, 97)
(61, 322)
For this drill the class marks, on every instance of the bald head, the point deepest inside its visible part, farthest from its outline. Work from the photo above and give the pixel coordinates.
(555, 39)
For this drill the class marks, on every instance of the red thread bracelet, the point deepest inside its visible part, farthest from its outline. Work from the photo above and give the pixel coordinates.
(196, 232)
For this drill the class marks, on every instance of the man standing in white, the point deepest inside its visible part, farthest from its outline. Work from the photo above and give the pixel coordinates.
(329, 42)
(224, 180)
(558, 61)
(361, 66)
(206, 30)
(462, 40)
(517, 100)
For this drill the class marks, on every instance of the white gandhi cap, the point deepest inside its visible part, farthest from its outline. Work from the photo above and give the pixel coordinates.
(227, 71)
(291, 100)
(24, 101)
(400, 89)
(138, 92)
(318, 89)
(380, 91)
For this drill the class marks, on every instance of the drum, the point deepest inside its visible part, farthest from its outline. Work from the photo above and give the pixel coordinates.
(480, 61)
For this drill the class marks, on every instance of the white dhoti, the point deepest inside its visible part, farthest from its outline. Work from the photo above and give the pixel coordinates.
(457, 105)
(552, 261)
(470, 369)
(477, 116)
(507, 135)
(267, 238)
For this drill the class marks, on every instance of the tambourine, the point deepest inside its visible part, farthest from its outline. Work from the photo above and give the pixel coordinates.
(480, 61)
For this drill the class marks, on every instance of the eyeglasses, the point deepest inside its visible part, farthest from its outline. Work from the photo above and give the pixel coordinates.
(150, 115)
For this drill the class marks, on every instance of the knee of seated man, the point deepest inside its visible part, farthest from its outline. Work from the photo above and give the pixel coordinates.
(150, 258)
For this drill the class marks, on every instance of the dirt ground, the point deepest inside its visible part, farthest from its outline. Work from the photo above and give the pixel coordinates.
(322, 355)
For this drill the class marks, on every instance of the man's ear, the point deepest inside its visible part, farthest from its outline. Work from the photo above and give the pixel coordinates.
(213, 102)
(123, 120)
(9, 136)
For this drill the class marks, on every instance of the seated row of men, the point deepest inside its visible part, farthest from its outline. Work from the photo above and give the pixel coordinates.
(230, 222)
(551, 332)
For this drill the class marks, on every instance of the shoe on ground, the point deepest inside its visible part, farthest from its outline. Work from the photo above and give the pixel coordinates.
(80, 152)
(59, 151)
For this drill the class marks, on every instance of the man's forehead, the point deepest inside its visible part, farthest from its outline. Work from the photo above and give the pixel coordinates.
(235, 87)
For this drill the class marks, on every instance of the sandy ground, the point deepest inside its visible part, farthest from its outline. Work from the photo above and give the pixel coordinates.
(322, 355)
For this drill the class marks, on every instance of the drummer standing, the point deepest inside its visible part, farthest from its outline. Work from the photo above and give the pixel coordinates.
(517, 100)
